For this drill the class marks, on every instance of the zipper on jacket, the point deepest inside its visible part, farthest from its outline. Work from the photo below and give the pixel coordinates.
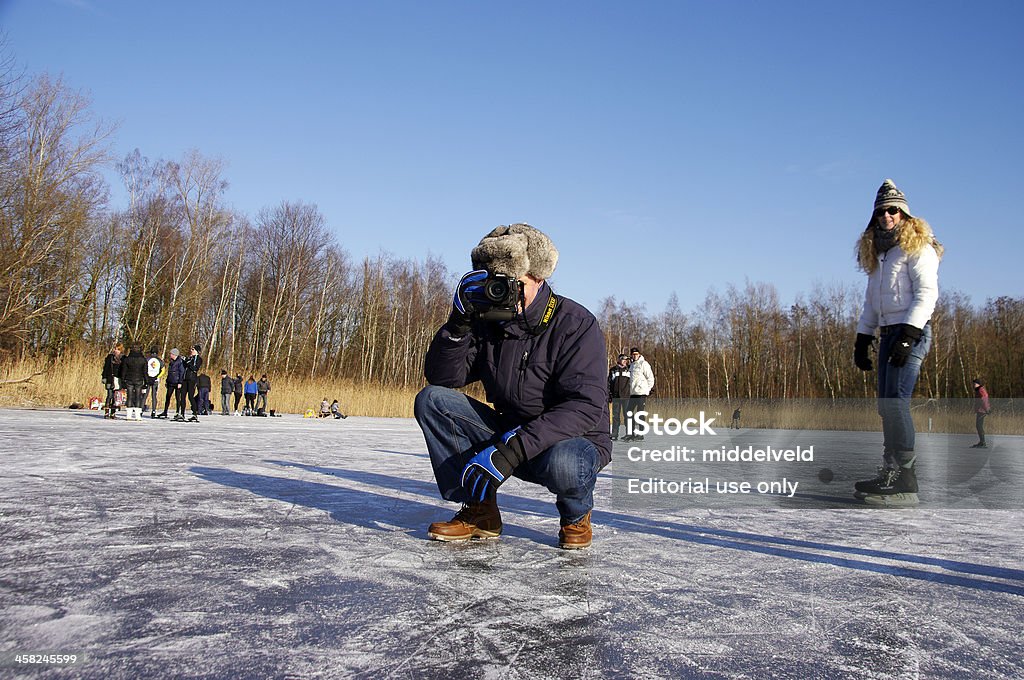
(881, 288)
(522, 374)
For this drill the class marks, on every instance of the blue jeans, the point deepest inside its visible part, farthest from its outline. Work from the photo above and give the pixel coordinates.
(454, 424)
(895, 388)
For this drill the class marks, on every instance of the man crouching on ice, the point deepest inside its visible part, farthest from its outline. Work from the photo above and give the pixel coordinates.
(541, 359)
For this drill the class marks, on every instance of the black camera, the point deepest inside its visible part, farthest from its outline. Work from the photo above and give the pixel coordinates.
(501, 295)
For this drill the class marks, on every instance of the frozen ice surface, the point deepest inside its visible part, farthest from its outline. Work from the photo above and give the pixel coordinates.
(293, 548)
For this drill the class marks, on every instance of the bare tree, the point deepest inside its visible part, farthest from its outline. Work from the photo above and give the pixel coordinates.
(56, 155)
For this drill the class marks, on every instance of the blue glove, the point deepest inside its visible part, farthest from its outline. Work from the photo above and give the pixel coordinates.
(485, 471)
(468, 294)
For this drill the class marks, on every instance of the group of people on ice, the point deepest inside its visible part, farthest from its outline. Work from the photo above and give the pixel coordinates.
(630, 382)
(140, 375)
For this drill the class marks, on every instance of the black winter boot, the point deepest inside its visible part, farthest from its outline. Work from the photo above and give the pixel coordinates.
(898, 489)
(862, 487)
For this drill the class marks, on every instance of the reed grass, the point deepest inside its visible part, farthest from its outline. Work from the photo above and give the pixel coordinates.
(77, 378)
(950, 416)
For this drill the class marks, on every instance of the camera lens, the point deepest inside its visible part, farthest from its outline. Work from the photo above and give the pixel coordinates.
(496, 290)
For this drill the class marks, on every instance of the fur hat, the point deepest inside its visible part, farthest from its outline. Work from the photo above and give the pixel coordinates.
(516, 250)
(888, 196)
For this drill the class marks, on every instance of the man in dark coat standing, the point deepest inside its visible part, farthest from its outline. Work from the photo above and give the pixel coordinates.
(238, 386)
(618, 393)
(193, 365)
(541, 360)
(227, 387)
(175, 374)
(133, 376)
(111, 380)
(262, 388)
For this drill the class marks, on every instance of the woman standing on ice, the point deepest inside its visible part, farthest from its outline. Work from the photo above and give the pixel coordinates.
(900, 255)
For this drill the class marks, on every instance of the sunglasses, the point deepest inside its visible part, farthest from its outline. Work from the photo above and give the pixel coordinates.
(891, 210)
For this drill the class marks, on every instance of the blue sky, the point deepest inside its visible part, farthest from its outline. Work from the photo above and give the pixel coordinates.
(664, 146)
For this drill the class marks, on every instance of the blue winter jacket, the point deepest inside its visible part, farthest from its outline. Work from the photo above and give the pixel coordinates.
(175, 371)
(554, 384)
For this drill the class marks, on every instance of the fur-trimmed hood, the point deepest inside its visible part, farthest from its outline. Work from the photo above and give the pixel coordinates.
(914, 235)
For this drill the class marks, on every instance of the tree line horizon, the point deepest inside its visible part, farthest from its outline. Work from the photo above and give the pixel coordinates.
(276, 292)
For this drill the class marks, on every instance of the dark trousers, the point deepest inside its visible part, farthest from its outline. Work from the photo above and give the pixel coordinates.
(204, 401)
(238, 398)
(635, 405)
(979, 422)
(250, 402)
(619, 408)
(135, 395)
(188, 385)
(179, 400)
(152, 394)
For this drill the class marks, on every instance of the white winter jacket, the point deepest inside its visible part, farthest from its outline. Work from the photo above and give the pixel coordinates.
(641, 377)
(902, 289)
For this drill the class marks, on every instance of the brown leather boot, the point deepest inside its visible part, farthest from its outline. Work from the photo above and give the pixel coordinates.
(474, 520)
(576, 535)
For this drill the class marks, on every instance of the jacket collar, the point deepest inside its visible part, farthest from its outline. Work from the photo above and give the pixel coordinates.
(534, 313)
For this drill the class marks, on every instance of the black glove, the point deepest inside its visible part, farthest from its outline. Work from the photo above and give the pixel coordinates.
(464, 303)
(900, 352)
(485, 471)
(860, 352)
